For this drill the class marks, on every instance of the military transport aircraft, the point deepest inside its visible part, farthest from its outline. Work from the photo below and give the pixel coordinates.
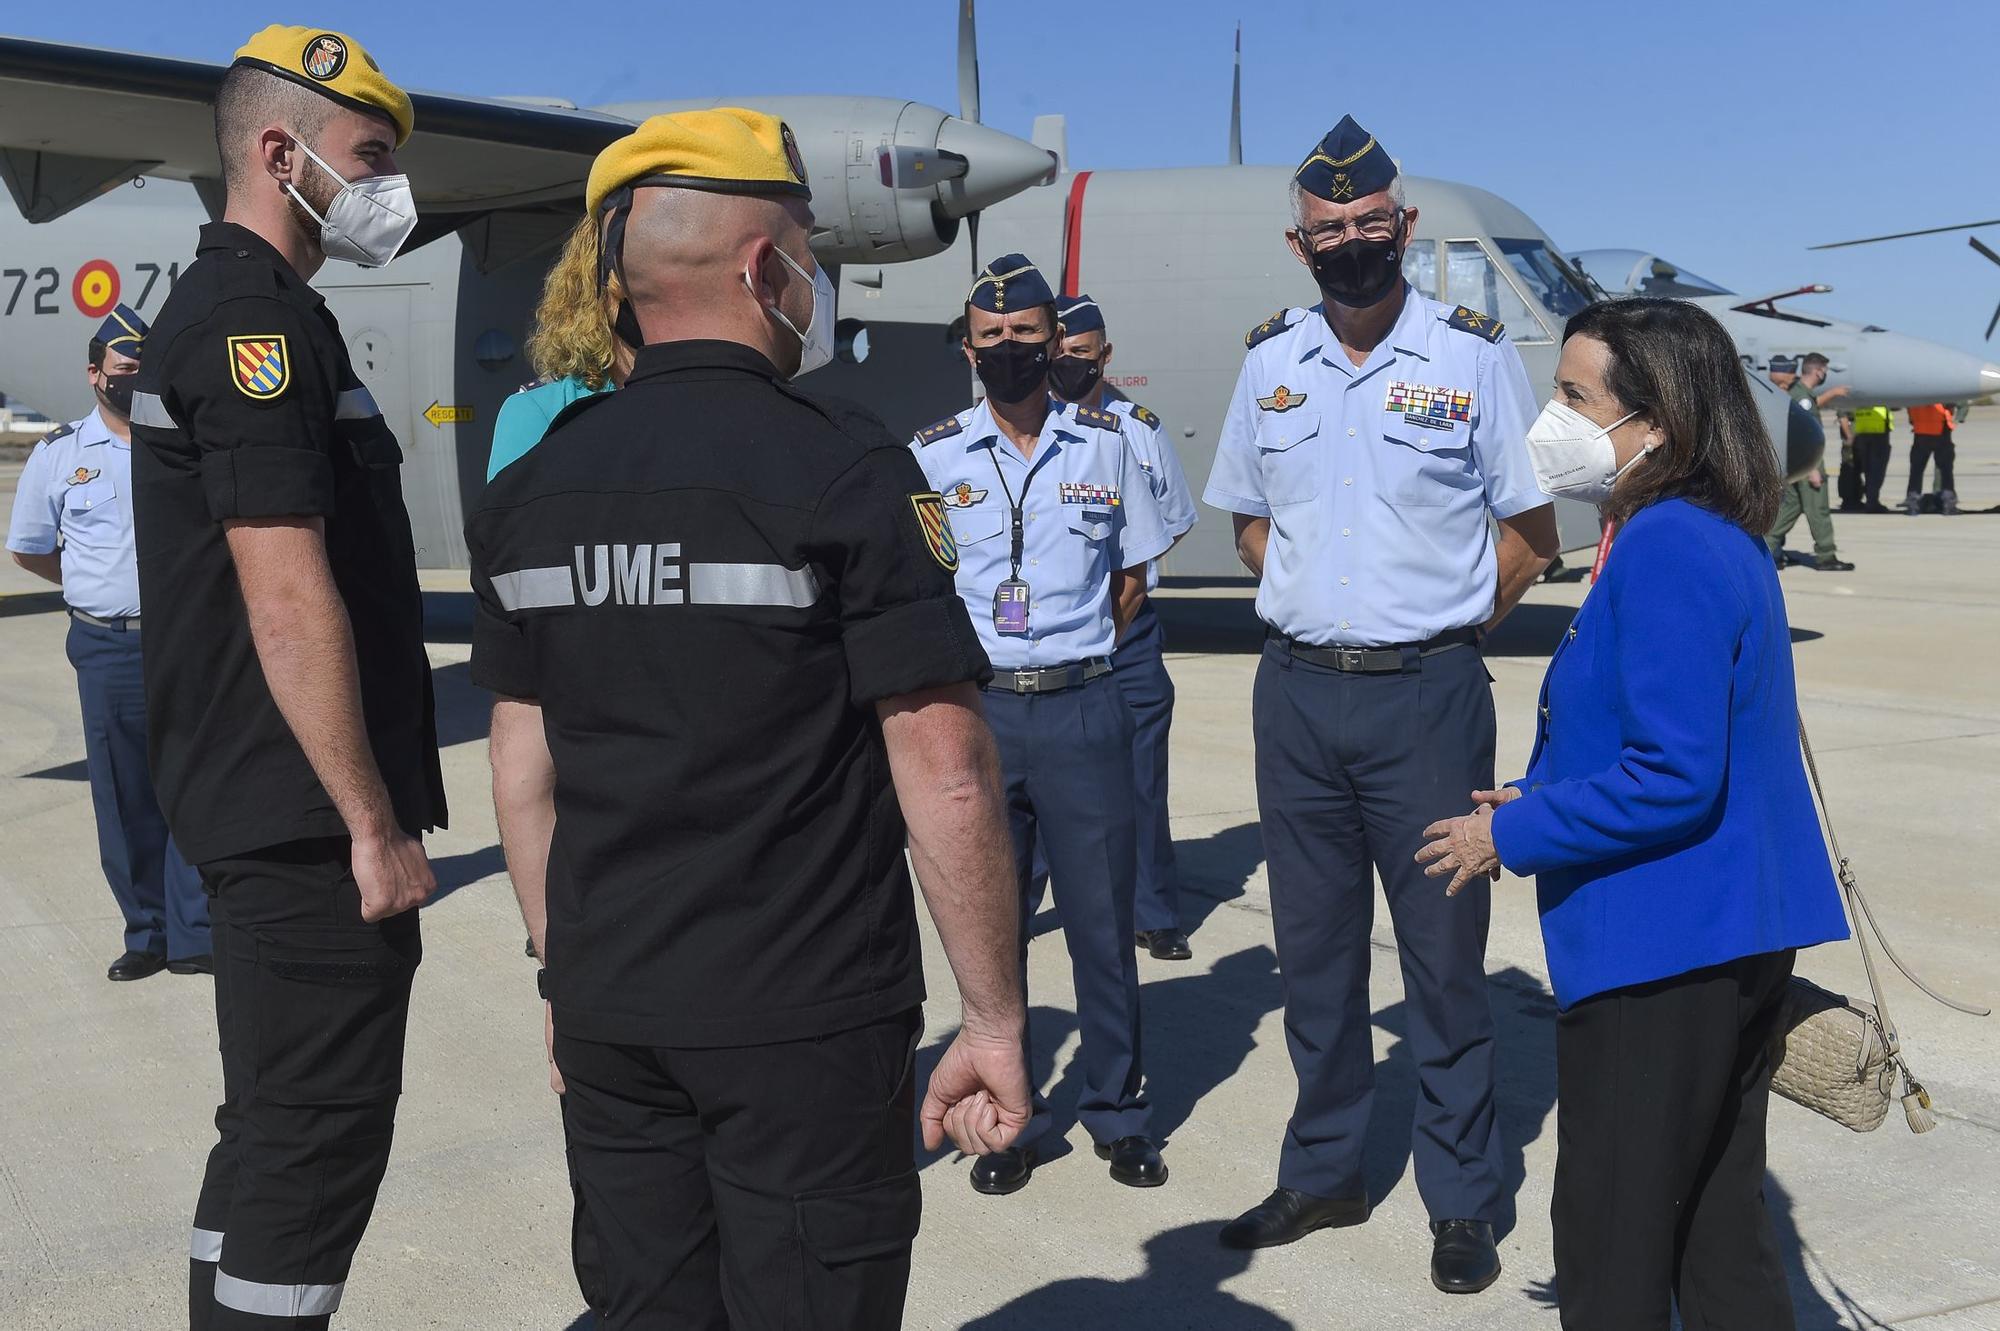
(1881, 367)
(1183, 260)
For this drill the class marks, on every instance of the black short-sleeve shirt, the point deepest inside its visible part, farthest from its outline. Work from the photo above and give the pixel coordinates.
(247, 406)
(708, 579)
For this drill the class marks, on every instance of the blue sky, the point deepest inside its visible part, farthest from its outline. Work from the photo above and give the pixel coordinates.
(1727, 137)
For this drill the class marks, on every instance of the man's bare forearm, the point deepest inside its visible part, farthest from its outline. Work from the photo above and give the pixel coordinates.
(1528, 544)
(1128, 597)
(47, 567)
(524, 803)
(305, 645)
(1252, 536)
(947, 774)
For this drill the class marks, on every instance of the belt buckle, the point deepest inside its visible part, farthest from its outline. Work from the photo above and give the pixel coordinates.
(1027, 681)
(1350, 658)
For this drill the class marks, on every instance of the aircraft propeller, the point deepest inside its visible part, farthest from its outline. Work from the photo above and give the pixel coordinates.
(968, 104)
(1236, 104)
(1974, 241)
(1988, 252)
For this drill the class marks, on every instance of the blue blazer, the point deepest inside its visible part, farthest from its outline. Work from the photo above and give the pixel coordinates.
(1666, 813)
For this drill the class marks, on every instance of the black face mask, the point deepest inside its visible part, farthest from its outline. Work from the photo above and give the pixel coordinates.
(117, 393)
(1074, 377)
(1012, 371)
(1360, 272)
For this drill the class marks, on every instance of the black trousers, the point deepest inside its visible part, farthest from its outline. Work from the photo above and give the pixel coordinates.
(1873, 452)
(770, 1188)
(311, 1005)
(1849, 483)
(1662, 1090)
(1922, 449)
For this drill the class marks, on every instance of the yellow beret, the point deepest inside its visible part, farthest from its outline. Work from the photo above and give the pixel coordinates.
(728, 150)
(333, 65)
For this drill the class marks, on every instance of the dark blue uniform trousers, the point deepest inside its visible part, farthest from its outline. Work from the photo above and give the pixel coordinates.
(1067, 762)
(1141, 675)
(158, 892)
(1350, 770)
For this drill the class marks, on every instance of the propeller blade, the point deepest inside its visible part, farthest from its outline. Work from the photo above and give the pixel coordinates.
(972, 235)
(1236, 104)
(968, 64)
(1992, 323)
(1974, 241)
(1905, 235)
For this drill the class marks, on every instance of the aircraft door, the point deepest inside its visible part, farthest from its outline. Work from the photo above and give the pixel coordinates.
(376, 322)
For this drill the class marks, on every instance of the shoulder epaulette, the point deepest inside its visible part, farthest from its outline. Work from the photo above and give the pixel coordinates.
(1480, 325)
(59, 432)
(1098, 418)
(1145, 417)
(943, 429)
(1269, 329)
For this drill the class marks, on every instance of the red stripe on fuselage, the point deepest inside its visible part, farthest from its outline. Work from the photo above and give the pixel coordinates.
(1072, 278)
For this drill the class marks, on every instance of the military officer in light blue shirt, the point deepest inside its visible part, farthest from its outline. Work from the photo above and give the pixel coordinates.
(72, 524)
(1368, 443)
(1054, 521)
(1138, 666)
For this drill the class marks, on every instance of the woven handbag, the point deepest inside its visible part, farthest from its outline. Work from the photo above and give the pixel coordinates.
(1836, 1055)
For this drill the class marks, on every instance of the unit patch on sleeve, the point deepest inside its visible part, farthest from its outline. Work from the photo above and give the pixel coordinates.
(259, 365)
(1076, 492)
(1282, 400)
(1429, 405)
(937, 529)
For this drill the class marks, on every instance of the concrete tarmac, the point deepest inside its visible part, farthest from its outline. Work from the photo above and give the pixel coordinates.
(107, 1090)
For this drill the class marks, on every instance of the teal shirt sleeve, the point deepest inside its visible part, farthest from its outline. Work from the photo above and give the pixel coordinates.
(525, 417)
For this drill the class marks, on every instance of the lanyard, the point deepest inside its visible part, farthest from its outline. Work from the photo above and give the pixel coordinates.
(1014, 506)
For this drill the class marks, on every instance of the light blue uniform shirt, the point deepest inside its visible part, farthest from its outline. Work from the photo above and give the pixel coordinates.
(1087, 510)
(526, 416)
(1162, 466)
(78, 486)
(1378, 479)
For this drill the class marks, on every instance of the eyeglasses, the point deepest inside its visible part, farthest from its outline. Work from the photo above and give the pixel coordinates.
(1372, 226)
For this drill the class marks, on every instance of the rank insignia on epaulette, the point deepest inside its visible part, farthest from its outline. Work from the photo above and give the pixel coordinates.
(943, 429)
(83, 476)
(61, 431)
(1472, 321)
(1282, 400)
(936, 528)
(963, 495)
(1270, 328)
(1145, 417)
(1097, 418)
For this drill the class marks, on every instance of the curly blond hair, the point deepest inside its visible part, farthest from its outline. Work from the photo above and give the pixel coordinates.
(572, 336)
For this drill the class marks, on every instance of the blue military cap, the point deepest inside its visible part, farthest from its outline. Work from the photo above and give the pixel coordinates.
(1079, 314)
(1010, 282)
(1784, 365)
(122, 331)
(1346, 164)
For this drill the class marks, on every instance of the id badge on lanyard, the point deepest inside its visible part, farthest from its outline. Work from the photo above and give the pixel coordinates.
(1010, 598)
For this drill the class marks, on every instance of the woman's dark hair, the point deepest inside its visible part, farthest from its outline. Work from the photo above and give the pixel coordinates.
(1673, 363)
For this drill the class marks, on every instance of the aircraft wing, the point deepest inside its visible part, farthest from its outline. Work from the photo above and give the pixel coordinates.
(78, 121)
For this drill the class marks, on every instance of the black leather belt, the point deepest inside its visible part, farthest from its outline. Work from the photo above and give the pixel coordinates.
(1376, 660)
(1051, 679)
(115, 625)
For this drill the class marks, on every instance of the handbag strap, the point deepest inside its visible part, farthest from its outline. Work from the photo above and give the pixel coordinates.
(1859, 911)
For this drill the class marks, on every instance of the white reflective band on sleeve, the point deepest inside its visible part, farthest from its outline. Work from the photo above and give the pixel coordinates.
(751, 584)
(247, 1296)
(206, 1245)
(534, 588)
(355, 404)
(147, 409)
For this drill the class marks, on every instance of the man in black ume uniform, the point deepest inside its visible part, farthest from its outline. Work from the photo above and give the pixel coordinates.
(733, 670)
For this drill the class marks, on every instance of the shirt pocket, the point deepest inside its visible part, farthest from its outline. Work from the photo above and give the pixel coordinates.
(94, 506)
(1290, 474)
(1426, 468)
(969, 526)
(1093, 525)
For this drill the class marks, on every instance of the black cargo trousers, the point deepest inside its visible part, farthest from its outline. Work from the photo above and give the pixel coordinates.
(311, 1004)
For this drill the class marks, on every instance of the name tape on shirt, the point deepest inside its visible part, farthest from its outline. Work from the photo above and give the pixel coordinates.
(1075, 492)
(1429, 404)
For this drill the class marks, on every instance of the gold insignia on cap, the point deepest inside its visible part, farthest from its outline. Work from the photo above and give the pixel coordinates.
(334, 65)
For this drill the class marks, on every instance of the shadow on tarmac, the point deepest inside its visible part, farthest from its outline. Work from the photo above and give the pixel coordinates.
(1181, 1286)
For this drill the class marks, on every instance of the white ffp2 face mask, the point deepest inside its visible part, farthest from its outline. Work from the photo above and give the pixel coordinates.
(816, 343)
(369, 219)
(1573, 456)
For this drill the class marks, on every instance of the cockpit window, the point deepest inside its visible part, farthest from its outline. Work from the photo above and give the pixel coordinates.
(1473, 280)
(1552, 279)
(1420, 266)
(1666, 279)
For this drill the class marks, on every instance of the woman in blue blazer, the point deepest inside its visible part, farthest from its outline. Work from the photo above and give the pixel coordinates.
(1667, 820)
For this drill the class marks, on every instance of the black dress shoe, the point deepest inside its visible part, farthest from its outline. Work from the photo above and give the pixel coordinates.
(1166, 944)
(1463, 1258)
(1287, 1216)
(1834, 566)
(202, 963)
(1135, 1162)
(136, 966)
(1003, 1172)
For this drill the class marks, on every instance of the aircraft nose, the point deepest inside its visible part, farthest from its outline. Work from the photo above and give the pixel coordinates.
(998, 166)
(1899, 369)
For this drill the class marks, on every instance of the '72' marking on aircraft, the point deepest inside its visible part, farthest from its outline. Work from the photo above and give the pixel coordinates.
(49, 280)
